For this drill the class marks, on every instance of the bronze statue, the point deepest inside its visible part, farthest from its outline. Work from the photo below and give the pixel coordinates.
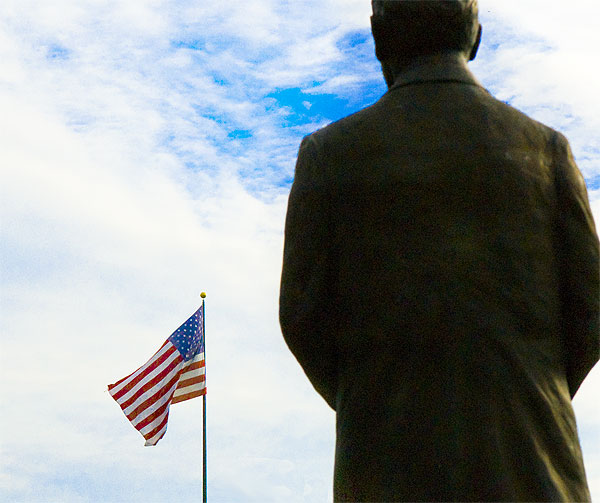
(440, 282)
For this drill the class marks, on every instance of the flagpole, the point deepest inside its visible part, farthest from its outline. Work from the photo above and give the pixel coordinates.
(203, 295)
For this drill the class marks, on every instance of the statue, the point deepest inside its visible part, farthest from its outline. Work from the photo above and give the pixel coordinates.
(440, 283)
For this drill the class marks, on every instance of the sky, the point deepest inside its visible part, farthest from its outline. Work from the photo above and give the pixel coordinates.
(147, 150)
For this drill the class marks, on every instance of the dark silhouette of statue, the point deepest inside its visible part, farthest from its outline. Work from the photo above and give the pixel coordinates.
(440, 282)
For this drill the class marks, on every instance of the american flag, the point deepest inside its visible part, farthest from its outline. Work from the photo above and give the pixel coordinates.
(174, 374)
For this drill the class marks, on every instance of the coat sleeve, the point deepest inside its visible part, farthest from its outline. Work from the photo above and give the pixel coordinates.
(305, 297)
(580, 269)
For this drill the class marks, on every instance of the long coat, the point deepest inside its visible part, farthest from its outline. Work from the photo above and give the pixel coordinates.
(440, 289)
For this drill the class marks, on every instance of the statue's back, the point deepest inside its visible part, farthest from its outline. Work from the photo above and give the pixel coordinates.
(445, 280)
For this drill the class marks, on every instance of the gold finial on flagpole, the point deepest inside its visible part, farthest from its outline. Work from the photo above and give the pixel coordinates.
(203, 295)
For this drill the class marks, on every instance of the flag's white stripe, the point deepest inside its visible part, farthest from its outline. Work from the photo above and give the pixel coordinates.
(165, 398)
(159, 390)
(188, 374)
(149, 377)
(149, 427)
(153, 390)
(189, 389)
(143, 368)
(197, 358)
(156, 437)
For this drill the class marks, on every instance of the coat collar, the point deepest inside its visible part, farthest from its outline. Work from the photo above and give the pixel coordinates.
(438, 68)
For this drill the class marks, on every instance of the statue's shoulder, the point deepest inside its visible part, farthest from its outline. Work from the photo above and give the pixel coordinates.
(343, 132)
(513, 114)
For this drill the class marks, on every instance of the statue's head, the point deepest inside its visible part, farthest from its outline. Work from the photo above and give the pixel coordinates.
(406, 29)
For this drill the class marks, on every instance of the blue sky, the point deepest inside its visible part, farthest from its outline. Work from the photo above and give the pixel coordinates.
(146, 153)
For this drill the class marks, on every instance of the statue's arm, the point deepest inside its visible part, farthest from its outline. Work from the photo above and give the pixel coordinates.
(305, 299)
(580, 269)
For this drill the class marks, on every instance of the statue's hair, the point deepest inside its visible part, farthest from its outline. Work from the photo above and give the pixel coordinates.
(416, 27)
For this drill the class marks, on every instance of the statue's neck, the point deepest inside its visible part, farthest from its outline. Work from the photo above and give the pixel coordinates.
(449, 66)
(409, 69)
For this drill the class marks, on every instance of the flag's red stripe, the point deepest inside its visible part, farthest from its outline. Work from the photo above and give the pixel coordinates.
(157, 413)
(153, 366)
(150, 384)
(187, 396)
(111, 386)
(196, 365)
(162, 435)
(153, 432)
(193, 369)
(166, 389)
(189, 382)
(163, 396)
